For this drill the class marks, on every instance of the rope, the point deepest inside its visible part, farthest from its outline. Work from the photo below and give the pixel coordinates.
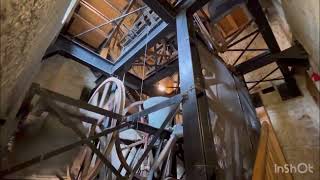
(144, 63)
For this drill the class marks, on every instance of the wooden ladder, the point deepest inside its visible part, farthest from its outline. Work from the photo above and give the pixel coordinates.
(269, 152)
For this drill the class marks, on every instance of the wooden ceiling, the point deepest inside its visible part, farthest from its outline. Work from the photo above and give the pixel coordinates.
(92, 13)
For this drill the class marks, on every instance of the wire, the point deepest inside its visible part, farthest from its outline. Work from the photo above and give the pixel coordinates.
(144, 62)
(108, 22)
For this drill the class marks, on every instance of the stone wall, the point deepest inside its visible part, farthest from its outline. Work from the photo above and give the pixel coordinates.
(36, 136)
(27, 29)
(65, 76)
(304, 21)
(296, 123)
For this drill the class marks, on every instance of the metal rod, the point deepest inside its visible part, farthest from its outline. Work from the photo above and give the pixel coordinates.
(58, 151)
(114, 8)
(81, 104)
(274, 79)
(68, 123)
(174, 100)
(152, 171)
(198, 147)
(154, 139)
(164, 153)
(126, 157)
(97, 12)
(115, 19)
(114, 30)
(245, 49)
(238, 32)
(243, 38)
(263, 78)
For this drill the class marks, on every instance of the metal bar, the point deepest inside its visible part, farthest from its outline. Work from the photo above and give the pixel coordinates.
(137, 48)
(266, 80)
(81, 117)
(199, 149)
(108, 22)
(126, 158)
(170, 116)
(151, 172)
(100, 31)
(78, 103)
(114, 8)
(58, 151)
(237, 33)
(198, 4)
(255, 63)
(114, 30)
(256, 11)
(97, 12)
(245, 49)
(207, 37)
(263, 78)
(172, 101)
(243, 38)
(151, 130)
(71, 49)
(295, 55)
(163, 9)
(81, 54)
(68, 123)
(163, 71)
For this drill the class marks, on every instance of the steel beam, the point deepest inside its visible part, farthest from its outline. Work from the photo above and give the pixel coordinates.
(169, 102)
(163, 72)
(71, 49)
(150, 130)
(74, 102)
(293, 56)
(66, 47)
(260, 19)
(163, 9)
(199, 149)
(136, 49)
(196, 6)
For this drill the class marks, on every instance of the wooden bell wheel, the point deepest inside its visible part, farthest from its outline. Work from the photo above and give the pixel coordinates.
(128, 159)
(109, 95)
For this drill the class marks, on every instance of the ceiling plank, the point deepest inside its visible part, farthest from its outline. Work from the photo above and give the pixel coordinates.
(103, 8)
(93, 17)
(79, 25)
